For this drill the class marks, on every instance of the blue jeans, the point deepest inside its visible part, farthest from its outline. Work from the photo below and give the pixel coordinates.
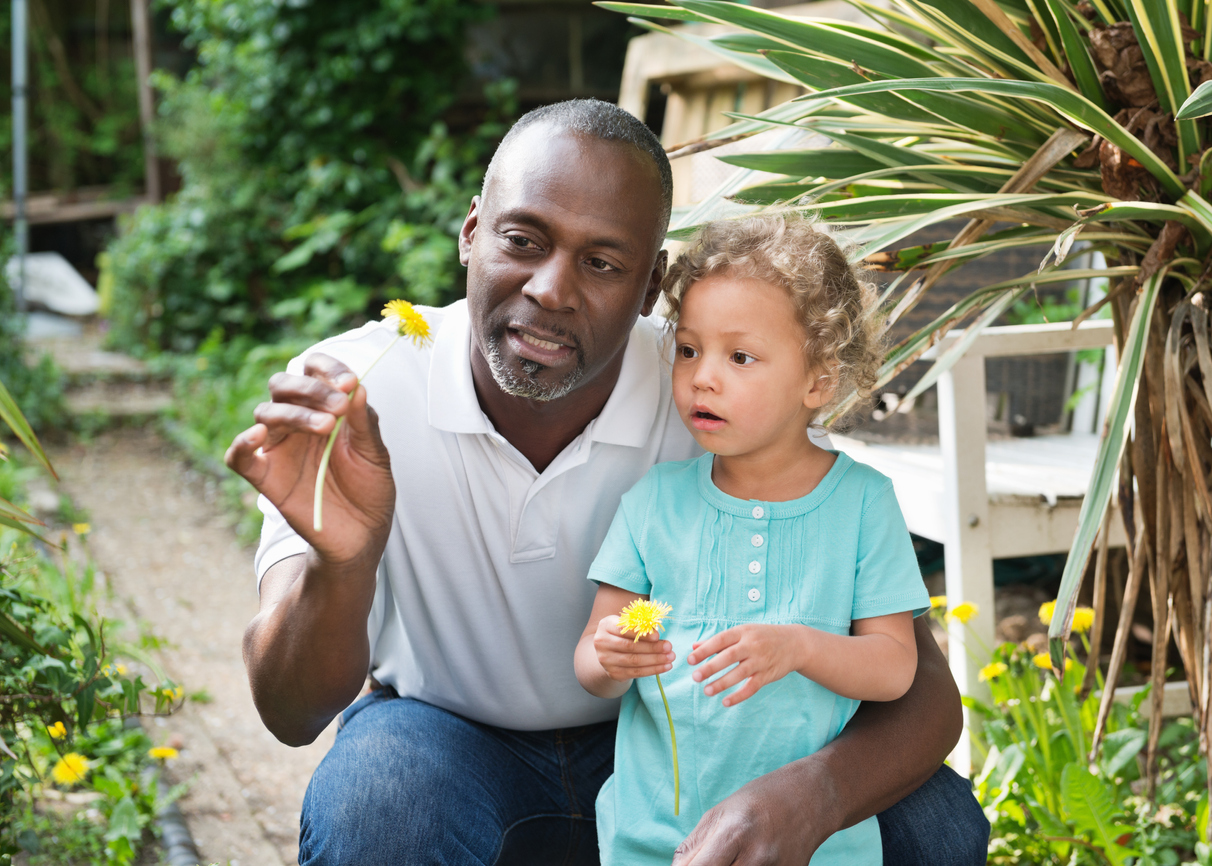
(407, 783)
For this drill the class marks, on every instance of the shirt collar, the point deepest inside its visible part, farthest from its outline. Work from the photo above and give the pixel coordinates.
(626, 419)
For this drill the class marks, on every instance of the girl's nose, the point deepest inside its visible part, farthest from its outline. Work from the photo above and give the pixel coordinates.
(706, 375)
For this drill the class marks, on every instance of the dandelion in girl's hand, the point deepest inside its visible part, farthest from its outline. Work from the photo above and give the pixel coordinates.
(962, 612)
(70, 769)
(57, 731)
(163, 753)
(409, 323)
(993, 670)
(643, 616)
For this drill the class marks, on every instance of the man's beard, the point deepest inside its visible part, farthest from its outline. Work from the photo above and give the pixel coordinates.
(527, 385)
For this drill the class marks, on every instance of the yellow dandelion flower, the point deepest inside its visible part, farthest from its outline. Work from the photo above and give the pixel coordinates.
(1044, 662)
(962, 612)
(163, 753)
(70, 769)
(1045, 612)
(172, 693)
(81, 528)
(409, 322)
(57, 731)
(1083, 619)
(993, 670)
(643, 616)
(937, 601)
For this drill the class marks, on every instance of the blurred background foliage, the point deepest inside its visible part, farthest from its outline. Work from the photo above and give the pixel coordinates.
(318, 177)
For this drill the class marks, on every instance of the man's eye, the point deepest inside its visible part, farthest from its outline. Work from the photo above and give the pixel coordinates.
(522, 243)
(601, 265)
(687, 352)
(741, 359)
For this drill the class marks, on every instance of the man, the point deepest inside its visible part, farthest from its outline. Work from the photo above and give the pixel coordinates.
(460, 518)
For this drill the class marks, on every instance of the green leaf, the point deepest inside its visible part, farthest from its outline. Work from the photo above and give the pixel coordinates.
(17, 635)
(1198, 104)
(1189, 215)
(12, 512)
(1073, 106)
(830, 162)
(823, 73)
(814, 37)
(1080, 62)
(1121, 747)
(640, 10)
(1160, 37)
(1106, 463)
(10, 414)
(1088, 801)
(124, 821)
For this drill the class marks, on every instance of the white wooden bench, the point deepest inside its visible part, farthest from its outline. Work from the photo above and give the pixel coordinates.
(989, 500)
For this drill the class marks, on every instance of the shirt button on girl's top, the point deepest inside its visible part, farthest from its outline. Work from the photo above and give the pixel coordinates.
(758, 541)
(754, 594)
(755, 567)
(758, 512)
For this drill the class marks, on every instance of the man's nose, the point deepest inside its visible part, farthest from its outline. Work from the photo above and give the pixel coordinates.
(553, 284)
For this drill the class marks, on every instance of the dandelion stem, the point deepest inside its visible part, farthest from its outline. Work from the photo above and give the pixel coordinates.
(317, 511)
(673, 740)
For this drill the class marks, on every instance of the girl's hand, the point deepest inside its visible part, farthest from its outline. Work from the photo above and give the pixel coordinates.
(624, 658)
(762, 654)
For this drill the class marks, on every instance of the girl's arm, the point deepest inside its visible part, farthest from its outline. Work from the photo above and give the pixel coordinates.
(874, 663)
(606, 660)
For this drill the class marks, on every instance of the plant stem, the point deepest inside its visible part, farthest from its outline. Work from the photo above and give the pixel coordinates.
(317, 511)
(673, 739)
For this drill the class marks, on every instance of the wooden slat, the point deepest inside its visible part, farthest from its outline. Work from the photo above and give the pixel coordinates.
(1011, 340)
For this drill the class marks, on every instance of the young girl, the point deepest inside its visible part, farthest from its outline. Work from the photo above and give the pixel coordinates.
(790, 572)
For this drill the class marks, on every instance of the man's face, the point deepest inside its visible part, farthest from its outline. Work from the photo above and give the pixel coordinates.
(561, 257)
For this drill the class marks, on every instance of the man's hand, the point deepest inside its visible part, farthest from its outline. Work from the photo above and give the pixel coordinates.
(624, 658)
(280, 456)
(762, 654)
(768, 822)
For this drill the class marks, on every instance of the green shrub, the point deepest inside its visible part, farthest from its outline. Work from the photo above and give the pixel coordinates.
(37, 389)
(317, 178)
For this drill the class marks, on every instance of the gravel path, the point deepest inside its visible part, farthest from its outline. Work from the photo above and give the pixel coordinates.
(169, 553)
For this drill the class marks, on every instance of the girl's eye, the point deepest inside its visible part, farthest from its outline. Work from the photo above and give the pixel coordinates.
(687, 352)
(741, 359)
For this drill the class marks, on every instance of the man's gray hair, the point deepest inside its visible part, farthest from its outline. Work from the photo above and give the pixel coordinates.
(596, 119)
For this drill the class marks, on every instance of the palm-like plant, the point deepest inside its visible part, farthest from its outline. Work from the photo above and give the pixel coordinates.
(1065, 119)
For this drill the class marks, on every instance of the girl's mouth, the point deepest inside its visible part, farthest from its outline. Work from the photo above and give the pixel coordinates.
(706, 422)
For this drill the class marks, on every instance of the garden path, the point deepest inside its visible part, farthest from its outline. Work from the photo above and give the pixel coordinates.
(172, 559)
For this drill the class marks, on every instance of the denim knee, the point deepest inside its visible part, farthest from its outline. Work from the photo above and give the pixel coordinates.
(939, 824)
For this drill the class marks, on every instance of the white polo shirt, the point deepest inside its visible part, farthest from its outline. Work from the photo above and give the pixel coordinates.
(482, 591)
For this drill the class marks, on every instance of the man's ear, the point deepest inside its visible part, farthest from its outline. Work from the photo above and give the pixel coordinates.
(468, 232)
(654, 282)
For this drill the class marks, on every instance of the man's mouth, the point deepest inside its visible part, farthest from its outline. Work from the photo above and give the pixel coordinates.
(542, 344)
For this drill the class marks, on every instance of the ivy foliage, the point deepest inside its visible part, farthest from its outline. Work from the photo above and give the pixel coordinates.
(318, 178)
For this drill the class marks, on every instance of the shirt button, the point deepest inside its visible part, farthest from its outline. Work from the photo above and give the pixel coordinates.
(758, 512)
(754, 594)
(755, 567)
(758, 541)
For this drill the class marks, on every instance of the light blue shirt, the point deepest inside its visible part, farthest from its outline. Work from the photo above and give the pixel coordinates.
(838, 554)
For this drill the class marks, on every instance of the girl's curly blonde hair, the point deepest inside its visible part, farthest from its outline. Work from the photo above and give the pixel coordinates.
(834, 305)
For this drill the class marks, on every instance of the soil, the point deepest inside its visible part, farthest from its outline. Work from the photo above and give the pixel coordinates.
(170, 557)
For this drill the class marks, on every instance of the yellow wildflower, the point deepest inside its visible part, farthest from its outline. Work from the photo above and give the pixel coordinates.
(1045, 612)
(409, 322)
(172, 693)
(1044, 661)
(643, 616)
(993, 670)
(1083, 619)
(70, 769)
(163, 753)
(81, 528)
(937, 601)
(962, 612)
(57, 731)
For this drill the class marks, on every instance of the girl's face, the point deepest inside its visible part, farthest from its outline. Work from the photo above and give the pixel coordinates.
(740, 381)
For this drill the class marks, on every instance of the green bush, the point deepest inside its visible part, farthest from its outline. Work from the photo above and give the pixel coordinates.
(318, 180)
(37, 389)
